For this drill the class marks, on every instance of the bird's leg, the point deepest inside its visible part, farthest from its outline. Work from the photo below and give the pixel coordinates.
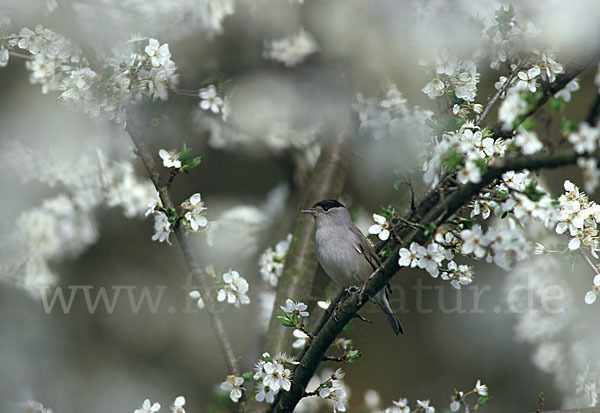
(345, 293)
(362, 289)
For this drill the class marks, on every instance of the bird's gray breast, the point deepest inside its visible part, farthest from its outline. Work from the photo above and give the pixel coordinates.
(338, 254)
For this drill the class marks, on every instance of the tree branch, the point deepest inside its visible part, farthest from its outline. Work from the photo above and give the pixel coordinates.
(205, 284)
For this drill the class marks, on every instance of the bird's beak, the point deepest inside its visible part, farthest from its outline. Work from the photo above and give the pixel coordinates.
(308, 211)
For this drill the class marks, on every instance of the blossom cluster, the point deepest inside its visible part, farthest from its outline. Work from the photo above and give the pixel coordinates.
(453, 75)
(519, 194)
(335, 390)
(388, 115)
(372, 401)
(65, 225)
(503, 246)
(57, 65)
(466, 151)
(272, 260)
(193, 218)
(291, 50)
(585, 140)
(272, 376)
(431, 259)
(234, 289)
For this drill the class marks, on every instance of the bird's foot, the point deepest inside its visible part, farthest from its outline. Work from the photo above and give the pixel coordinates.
(361, 318)
(345, 293)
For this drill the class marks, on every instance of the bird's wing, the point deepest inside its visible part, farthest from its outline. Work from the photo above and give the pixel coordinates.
(365, 249)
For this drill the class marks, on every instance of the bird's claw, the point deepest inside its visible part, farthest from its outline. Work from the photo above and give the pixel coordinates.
(361, 318)
(345, 294)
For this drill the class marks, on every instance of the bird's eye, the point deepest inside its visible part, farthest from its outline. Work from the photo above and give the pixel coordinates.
(325, 209)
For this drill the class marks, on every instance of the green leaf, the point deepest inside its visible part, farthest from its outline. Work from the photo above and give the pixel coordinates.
(557, 104)
(532, 192)
(568, 126)
(286, 321)
(248, 376)
(453, 161)
(481, 164)
(467, 222)
(349, 326)
(353, 355)
(528, 124)
(429, 229)
(483, 400)
(171, 215)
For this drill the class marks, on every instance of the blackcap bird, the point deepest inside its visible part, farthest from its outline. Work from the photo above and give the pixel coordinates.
(345, 254)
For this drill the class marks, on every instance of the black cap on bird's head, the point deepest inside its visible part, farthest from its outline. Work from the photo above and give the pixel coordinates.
(324, 206)
(327, 204)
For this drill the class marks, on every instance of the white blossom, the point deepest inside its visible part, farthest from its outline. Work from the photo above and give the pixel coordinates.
(528, 142)
(195, 214)
(264, 393)
(272, 260)
(162, 228)
(470, 172)
(591, 173)
(511, 108)
(434, 89)
(276, 376)
(481, 389)
(298, 308)
(159, 54)
(381, 228)
(234, 290)
(565, 92)
(336, 392)
(474, 241)
(148, 407)
(585, 139)
(431, 258)
(528, 79)
(590, 296)
(301, 338)
(195, 295)
(550, 68)
(233, 385)
(209, 100)
(400, 406)
(170, 158)
(424, 404)
(410, 257)
(178, 404)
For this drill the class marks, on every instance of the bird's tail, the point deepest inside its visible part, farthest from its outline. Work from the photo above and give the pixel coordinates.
(384, 304)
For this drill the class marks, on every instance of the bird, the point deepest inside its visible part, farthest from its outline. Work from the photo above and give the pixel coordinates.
(345, 254)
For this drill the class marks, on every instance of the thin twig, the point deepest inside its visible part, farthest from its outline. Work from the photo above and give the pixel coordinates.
(493, 100)
(20, 55)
